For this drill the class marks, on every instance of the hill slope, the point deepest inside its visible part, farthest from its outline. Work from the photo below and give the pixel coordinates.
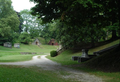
(108, 61)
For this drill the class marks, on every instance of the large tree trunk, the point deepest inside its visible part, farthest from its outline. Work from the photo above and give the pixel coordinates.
(92, 42)
(114, 36)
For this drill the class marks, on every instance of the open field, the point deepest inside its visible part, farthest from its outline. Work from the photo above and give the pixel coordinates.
(14, 54)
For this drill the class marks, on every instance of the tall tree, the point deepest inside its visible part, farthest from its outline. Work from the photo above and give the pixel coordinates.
(9, 21)
(31, 24)
(81, 20)
(49, 31)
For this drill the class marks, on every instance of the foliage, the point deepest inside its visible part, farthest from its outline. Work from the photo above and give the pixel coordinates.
(53, 53)
(25, 38)
(14, 38)
(31, 24)
(49, 31)
(21, 22)
(9, 21)
(80, 20)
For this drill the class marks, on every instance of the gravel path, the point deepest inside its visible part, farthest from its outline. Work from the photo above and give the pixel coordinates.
(47, 64)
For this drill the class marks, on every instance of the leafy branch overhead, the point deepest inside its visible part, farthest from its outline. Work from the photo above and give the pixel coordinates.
(84, 20)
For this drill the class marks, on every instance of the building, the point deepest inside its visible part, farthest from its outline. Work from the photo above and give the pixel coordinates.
(36, 42)
(53, 42)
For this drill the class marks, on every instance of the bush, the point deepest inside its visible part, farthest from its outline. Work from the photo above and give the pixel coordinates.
(53, 53)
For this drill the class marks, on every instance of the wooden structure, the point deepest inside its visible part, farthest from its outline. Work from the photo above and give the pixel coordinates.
(36, 42)
(53, 42)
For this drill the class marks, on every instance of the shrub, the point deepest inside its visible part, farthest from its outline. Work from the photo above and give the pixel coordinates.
(53, 53)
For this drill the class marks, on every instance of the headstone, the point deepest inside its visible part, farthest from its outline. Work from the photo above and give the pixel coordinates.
(17, 45)
(8, 44)
(85, 53)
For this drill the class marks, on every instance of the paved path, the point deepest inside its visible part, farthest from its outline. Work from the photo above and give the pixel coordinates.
(47, 64)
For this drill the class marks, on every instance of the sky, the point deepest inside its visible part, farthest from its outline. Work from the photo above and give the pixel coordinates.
(19, 5)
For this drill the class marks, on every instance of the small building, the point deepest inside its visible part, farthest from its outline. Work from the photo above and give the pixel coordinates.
(53, 42)
(36, 42)
(8, 44)
(17, 45)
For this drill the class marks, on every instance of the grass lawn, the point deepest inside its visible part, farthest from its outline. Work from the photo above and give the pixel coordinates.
(107, 76)
(32, 74)
(14, 54)
(65, 59)
(25, 74)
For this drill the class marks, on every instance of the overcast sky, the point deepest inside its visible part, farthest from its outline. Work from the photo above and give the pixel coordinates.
(19, 5)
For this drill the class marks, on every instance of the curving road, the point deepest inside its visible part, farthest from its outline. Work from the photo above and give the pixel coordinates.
(47, 64)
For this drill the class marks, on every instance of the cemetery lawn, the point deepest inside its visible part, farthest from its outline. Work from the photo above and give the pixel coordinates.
(65, 57)
(31, 74)
(108, 76)
(14, 54)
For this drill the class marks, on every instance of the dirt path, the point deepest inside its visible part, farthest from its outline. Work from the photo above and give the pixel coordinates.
(47, 64)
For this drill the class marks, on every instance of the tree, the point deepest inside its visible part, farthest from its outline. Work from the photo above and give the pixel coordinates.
(21, 22)
(49, 31)
(31, 24)
(81, 20)
(27, 18)
(110, 9)
(25, 38)
(9, 21)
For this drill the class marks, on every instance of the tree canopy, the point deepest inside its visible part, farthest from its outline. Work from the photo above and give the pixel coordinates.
(81, 20)
(31, 24)
(9, 20)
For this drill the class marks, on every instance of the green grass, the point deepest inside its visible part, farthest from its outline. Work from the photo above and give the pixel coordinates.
(107, 76)
(14, 54)
(29, 48)
(65, 57)
(95, 64)
(15, 58)
(104, 46)
(33, 74)
(22, 74)
(25, 74)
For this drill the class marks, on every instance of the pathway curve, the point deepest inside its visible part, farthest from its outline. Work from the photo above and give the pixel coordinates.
(47, 64)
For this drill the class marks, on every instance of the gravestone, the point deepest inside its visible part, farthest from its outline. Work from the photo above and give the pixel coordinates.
(17, 45)
(85, 53)
(84, 56)
(8, 44)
